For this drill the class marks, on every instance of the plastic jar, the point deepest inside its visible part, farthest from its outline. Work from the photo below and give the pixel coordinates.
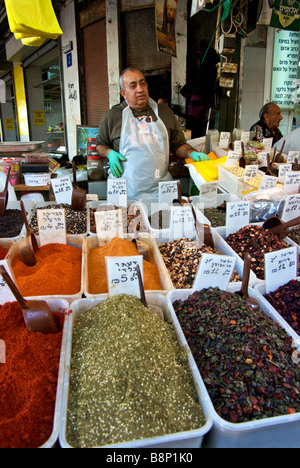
(8, 164)
(94, 167)
(14, 178)
(16, 165)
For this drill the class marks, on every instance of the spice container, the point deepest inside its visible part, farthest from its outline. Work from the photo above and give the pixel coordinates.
(250, 371)
(94, 166)
(188, 438)
(31, 384)
(14, 178)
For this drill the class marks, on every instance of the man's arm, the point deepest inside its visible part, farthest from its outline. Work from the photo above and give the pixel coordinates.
(187, 151)
(103, 150)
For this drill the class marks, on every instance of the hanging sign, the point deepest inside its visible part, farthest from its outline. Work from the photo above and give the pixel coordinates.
(165, 21)
(286, 15)
(280, 268)
(52, 226)
(214, 271)
(117, 192)
(62, 189)
(122, 275)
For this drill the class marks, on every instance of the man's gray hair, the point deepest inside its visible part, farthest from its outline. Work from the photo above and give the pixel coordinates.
(265, 110)
(121, 82)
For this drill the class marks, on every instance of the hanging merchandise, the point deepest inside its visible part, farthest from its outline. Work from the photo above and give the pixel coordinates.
(32, 21)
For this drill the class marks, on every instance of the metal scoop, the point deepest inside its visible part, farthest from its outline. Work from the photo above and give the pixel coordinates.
(156, 309)
(205, 228)
(278, 227)
(37, 315)
(78, 195)
(251, 301)
(27, 246)
(4, 196)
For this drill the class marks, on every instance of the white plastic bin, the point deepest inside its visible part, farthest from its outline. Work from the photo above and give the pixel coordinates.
(29, 207)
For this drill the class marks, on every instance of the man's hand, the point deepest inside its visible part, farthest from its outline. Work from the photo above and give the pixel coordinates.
(115, 163)
(199, 156)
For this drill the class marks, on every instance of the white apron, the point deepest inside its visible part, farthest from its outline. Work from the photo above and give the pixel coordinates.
(145, 145)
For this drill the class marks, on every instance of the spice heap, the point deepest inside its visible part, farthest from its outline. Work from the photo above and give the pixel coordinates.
(257, 241)
(76, 221)
(3, 253)
(216, 216)
(11, 224)
(56, 273)
(120, 387)
(132, 219)
(118, 248)
(182, 258)
(244, 357)
(294, 234)
(286, 300)
(28, 381)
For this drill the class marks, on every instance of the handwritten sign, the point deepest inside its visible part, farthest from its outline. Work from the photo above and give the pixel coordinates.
(291, 208)
(238, 146)
(208, 194)
(237, 216)
(214, 271)
(122, 276)
(268, 182)
(109, 224)
(292, 156)
(224, 140)
(250, 172)
(267, 143)
(5, 293)
(117, 192)
(283, 169)
(181, 223)
(167, 192)
(245, 137)
(52, 226)
(280, 268)
(292, 182)
(232, 159)
(263, 156)
(62, 189)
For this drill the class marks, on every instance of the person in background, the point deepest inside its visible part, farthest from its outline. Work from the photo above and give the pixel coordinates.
(292, 142)
(268, 124)
(137, 136)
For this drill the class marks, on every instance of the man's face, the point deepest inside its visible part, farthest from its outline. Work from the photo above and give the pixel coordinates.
(170, 13)
(136, 89)
(273, 117)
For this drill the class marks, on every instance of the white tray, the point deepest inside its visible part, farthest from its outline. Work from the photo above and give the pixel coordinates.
(29, 207)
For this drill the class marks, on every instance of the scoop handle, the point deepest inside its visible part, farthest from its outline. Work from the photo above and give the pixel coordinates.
(7, 179)
(246, 275)
(74, 174)
(142, 291)
(25, 218)
(13, 288)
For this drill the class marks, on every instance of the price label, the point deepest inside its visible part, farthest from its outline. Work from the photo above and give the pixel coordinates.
(214, 271)
(208, 194)
(280, 268)
(167, 192)
(52, 226)
(5, 293)
(181, 223)
(224, 140)
(117, 192)
(283, 169)
(62, 189)
(292, 156)
(237, 216)
(292, 182)
(250, 172)
(264, 159)
(238, 146)
(245, 136)
(122, 276)
(232, 159)
(109, 224)
(267, 143)
(291, 208)
(268, 182)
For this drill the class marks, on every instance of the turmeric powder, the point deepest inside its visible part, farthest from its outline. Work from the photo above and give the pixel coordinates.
(97, 278)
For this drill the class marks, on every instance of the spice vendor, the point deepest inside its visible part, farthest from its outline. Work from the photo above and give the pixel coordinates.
(268, 124)
(137, 136)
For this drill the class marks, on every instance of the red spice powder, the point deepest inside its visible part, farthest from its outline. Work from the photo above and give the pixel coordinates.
(3, 253)
(28, 380)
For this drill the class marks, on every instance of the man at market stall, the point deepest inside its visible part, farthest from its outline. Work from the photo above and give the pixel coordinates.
(292, 141)
(137, 136)
(268, 125)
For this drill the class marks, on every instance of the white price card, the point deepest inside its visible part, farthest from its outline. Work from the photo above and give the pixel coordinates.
(224, 140)
(292, 182)
(109, 224)
(238, 146)
(167, 192)
(117, 192)
(268, 182)
(251, 171)
(283, 169)
(52, 226)
(280, 268)
(209, 194)
(291, 208)
(122, 275)
(182, 223)
(214, 271)
(5, 293)
(63, 190)
(232, 159)
(292, 156)
(267, 143)
(263, 156)
(245, 136)
(237, 216)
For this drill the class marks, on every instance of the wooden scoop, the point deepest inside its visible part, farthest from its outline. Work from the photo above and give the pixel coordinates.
(278, 227)
(208, 238)
(152, 307)
(27, 246)
(251, 301)
(242, 160)
(279, 158)
(4, 195)
(78, 195)
(37, 314)
(269, 170)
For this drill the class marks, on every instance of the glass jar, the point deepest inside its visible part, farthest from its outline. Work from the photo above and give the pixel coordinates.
(94, 167)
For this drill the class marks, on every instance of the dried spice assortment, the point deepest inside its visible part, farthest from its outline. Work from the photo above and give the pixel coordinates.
(76, 221)
(120, 387)
(132, 219)
(294, 234)
(244, 357)
(182, 258)
(216, 216)
(11, 224)
(257, 241)
(286, 300)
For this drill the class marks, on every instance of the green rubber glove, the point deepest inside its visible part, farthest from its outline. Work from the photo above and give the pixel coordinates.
(199, 156)
(115, 164)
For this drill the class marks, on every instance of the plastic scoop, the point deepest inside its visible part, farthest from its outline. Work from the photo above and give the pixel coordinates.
(278, 227)
(37, 314)
(27, 246)
(205, 228)
(78, 195)
(4, 196)
(251, 301)
(156, 309)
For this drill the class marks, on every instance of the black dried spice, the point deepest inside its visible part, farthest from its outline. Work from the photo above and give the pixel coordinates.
(76, 221)
(286, 301)
(11, 224)
(244, 357)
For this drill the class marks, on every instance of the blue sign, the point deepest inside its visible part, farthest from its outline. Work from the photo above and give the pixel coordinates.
(69, 59)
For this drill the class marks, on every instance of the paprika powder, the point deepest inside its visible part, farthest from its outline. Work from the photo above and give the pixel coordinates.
(3, 253)
(28, 380)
